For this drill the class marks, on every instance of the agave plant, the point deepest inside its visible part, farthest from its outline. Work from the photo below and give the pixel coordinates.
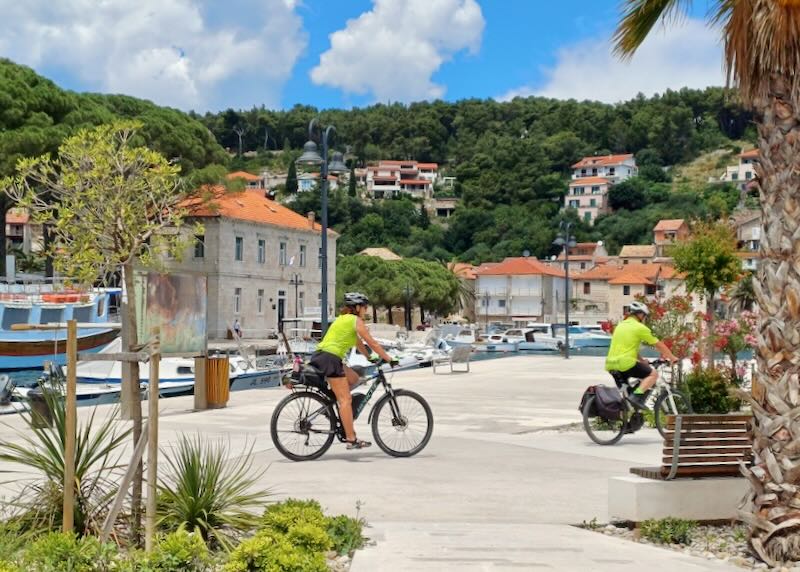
(209, 490)
(41, 449)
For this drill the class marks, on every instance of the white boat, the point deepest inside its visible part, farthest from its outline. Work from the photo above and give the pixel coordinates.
(581, 338)
(463, 337)
(544, 338)
(176, 375)
(529, 339)
(494, 343)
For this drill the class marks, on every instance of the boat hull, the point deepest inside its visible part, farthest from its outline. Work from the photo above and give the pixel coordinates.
(31, 354)
(503, 347)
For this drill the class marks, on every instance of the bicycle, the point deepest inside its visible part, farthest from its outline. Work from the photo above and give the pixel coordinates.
(665, 401)
(309, 417)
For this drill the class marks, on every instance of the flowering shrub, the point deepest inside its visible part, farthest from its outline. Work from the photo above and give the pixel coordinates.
(734, 336)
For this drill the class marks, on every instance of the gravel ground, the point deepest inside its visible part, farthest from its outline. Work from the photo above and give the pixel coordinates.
(726, 543)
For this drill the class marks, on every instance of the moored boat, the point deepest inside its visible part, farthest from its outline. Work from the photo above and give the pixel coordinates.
(40, 304)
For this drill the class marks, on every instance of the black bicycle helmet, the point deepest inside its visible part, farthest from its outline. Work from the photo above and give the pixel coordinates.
(355, 299)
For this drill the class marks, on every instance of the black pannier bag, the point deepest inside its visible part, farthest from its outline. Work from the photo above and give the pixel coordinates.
(587, 395)
(609, 402)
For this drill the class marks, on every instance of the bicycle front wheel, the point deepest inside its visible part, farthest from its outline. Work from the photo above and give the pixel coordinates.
(303, 426)
(402, 424)
(678, 405)
(601, 431)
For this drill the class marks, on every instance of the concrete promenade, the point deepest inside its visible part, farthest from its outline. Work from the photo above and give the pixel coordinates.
(498, 487)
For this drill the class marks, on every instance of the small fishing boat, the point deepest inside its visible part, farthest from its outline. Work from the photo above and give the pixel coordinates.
(41, 304)
(531, 339)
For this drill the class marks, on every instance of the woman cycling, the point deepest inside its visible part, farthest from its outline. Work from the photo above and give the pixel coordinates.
(347, 331)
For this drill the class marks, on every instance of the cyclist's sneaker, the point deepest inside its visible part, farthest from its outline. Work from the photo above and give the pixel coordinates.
(639, 400)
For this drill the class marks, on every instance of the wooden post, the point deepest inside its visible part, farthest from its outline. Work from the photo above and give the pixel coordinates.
(200, 396)
(152, 441)
(138, 451)
(70, 407)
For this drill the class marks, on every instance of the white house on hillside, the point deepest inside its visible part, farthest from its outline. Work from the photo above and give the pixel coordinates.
(390, 178)
(592, 178)
(741, 174)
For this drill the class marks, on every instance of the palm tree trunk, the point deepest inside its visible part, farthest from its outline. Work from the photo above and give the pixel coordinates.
(774, 516)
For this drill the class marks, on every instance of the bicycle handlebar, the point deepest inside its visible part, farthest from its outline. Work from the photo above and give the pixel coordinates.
(659, 362)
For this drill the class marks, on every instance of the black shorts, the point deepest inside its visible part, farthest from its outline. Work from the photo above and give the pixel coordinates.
(329, 364)
(639, 371)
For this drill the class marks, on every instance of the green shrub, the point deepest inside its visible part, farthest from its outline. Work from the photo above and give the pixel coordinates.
(708, 390)
(180, 551)
(282, 516)
(269, 551)
(8, 567)
(309, 537)
(65, 552)
(668, 530)
(346, 533)
(13, 537)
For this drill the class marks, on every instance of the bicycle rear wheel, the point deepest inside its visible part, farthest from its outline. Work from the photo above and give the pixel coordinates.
(402, 423)
(303, 426)
(601, 431)
(664, 407)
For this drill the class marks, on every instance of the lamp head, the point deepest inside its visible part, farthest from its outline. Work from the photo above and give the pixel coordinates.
(337, 164)
(559, 241)
(310, 155)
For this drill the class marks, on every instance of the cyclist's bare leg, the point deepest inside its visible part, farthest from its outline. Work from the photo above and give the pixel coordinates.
(352, 377)
(649, 381)
(341, 388)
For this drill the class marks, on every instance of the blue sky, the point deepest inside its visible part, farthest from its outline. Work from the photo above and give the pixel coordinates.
(210, 55)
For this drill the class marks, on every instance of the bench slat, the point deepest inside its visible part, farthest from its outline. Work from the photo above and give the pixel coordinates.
(691, 459)
(708, 435)
(704, 418)
(697, 472)
(712, 427)
(738, 450)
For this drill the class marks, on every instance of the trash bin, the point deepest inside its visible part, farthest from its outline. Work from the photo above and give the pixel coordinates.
(41, 416)
(217, 382)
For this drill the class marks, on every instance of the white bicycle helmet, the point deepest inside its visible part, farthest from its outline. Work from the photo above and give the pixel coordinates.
(355, 299)
(639, 308)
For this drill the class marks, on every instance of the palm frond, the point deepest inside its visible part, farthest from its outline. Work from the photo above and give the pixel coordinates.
(638, 19)
(762, 45)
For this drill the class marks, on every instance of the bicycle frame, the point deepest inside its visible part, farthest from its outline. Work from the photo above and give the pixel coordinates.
(374, 380)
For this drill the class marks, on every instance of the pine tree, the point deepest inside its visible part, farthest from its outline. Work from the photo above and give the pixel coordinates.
(351, 189)
(291, 179)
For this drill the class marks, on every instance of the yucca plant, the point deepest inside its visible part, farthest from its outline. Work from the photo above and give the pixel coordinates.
(41, 449)
(207, 489)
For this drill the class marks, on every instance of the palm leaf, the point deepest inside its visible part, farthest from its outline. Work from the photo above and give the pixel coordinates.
(638, 19)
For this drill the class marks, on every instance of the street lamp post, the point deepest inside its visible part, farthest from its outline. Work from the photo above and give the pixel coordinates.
(486, 311)
(296, 281)
(567, 241)
(310, 156)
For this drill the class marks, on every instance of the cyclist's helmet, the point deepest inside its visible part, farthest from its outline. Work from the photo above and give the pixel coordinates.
(355, 299)
(639, 308)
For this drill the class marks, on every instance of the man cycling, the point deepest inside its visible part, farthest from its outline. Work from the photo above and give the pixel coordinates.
(347, 331)
(623, 354)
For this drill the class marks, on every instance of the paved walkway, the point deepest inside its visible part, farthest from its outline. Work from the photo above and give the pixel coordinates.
(497, 488)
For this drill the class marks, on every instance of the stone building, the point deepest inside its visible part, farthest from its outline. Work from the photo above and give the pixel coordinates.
(262, 261)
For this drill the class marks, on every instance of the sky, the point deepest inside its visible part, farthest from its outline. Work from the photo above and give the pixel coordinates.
(207, 55)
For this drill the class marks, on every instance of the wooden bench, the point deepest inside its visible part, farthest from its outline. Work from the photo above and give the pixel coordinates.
(699, 446)
(459, 355)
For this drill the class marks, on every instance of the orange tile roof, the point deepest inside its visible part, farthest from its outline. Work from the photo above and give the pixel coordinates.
(638, 251)
(629, 274)
(518, 266)
(17, 216)
(750, 154)
(243, 175)
(462, 270)
(669, 224)
(600, 272)
(248, 206)
(589, 181)
(630, 277)
(432, 166)
(602, 160)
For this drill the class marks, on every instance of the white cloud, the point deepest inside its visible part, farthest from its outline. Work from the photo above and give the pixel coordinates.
(164, 50)
(393, 50)
(686, 55)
